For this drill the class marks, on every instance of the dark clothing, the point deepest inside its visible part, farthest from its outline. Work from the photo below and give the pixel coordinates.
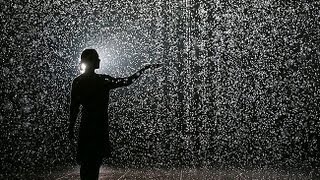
(89, 170)
(92, 92)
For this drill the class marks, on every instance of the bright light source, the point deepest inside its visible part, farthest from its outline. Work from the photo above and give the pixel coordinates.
(83, 68)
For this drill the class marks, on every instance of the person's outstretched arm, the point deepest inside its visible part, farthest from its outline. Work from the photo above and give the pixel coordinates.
(120, 82)
(74, 109)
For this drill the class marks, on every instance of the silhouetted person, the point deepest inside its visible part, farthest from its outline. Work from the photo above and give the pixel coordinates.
(91, 90)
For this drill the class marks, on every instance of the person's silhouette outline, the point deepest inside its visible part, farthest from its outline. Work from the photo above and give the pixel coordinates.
(91, 90)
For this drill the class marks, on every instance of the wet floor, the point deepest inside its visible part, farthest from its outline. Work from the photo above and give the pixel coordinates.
(107, 173)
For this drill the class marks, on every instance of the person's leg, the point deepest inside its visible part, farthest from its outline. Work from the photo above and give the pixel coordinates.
(84, 171)
(90, 170)
(95, 170)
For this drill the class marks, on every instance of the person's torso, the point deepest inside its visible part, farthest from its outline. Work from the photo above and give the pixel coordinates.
(93, 94)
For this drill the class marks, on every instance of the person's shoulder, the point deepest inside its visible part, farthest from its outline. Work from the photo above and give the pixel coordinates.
(77, 79)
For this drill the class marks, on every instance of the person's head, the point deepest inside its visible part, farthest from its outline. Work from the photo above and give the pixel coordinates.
(90, 59)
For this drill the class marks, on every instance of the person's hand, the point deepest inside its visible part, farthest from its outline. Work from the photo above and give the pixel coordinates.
(155, 66)
(147, 66)
(152, 66)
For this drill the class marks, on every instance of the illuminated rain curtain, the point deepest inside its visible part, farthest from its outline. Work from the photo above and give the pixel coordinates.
(239, 82)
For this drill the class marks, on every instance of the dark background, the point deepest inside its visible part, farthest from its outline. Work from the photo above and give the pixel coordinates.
(239, 85)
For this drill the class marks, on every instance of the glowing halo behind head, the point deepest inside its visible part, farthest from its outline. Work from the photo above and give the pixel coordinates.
(105, 52)
(82, 68)
(89, 59)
